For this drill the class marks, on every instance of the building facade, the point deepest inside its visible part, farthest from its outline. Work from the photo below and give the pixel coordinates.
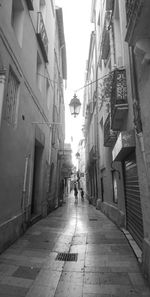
(27, 75)
(58, 127)
(121, 109)
(90, 114)
(137, 37)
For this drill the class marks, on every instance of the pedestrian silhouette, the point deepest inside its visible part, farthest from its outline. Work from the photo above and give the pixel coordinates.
(82, 194)
(75, 193)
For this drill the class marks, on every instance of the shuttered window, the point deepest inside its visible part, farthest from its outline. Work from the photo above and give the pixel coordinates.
(11, 107)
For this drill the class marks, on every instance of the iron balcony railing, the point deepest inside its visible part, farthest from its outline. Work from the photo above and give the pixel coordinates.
(132, 10)
(119, 88)
(110, 136)
(119, 103)
(42, 36)
(30, 4)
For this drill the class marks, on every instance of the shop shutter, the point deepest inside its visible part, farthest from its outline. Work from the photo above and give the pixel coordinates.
(134, 219)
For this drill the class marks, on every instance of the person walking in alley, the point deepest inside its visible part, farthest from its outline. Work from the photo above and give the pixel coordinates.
(75, 193)
(82, 194)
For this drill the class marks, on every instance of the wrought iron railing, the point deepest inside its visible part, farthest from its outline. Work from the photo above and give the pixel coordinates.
(42, 36)
(110, 136)
(30, 4)
(133, 7)
(119, 89)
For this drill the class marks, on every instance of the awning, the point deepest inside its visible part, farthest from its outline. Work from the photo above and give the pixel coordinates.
(124, 145)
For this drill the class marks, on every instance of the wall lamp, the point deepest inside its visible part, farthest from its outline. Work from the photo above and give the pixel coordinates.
(77, 155)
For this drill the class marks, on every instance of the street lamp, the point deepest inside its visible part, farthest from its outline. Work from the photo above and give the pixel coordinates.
(75, 106)
(78, 155)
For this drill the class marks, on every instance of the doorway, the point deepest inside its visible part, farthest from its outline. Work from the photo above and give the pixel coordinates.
(38, 150)
(134, 220)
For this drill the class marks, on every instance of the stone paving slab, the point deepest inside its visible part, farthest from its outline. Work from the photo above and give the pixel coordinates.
(131, 294)
(41, 291)
(76, 266)
(64, 289)
(48, 277)
(121, 278)
(7, 269)
(72, 277)
(116, 290)
(12, 291)
(16, 281)
(111, 268)
(106, 265)
(26, 272)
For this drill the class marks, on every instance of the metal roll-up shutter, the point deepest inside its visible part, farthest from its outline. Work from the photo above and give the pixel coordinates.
(134, 219)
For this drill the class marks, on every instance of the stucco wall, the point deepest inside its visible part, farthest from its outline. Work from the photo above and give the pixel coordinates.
(17, 143)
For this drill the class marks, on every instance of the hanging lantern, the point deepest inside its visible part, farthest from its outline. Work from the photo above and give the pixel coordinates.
(75, 106)
(77, 155)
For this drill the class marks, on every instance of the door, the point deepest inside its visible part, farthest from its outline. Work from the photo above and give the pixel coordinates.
(134, 221)
(36, 177)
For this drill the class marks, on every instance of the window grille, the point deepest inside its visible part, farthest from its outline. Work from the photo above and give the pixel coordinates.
(11, 98)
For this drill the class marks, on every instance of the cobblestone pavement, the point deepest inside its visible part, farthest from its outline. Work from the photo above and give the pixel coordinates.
(105, 266)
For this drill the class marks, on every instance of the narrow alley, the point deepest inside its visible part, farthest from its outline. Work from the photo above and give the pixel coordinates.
(99, 261)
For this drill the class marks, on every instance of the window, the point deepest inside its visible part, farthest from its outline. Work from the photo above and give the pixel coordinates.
(42, 9)
(48, 93)
(11, 107)
(52, 5)
(102, 189)
(117, 38)
(115, 188)
(51, 177)
(17, 18)
(101, 137)
(98, 21)
(40, 75)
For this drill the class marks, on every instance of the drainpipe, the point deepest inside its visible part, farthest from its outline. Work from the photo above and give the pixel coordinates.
(2, 87)
(24, 190)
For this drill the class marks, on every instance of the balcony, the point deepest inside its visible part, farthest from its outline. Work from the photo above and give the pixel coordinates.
(42, 37)
(124, 145)
(118, 100)
(30, 4)
(110, 136)
(138, 14)
(105, 44)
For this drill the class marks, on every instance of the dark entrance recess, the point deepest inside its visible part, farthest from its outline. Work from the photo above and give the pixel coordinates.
(38, 149)
(134, 221)
(102, 189)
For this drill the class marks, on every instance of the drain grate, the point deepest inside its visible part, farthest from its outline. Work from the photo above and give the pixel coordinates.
(92, 219)
(67, 257)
